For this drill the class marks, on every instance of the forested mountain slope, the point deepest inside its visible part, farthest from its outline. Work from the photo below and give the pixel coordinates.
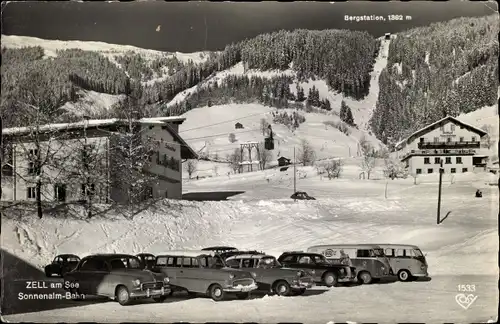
(447, 68)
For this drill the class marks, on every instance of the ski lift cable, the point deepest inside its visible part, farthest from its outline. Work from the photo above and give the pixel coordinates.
(223, 122)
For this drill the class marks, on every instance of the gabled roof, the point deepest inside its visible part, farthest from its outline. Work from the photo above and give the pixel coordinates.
(186, 151)
(437, 124)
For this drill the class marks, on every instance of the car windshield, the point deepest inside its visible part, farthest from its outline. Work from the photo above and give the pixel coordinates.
(378, 252)
(126, 263)
(269, 262)
(418, 253)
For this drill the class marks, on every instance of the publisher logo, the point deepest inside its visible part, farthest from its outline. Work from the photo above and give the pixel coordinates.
(465, 301)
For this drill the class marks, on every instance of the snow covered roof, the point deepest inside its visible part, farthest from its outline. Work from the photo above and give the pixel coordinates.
(186, 151)
(90, 123)
(435, 125)
(186, 253)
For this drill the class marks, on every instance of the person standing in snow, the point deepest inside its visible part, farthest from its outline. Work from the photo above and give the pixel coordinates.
(345, 260)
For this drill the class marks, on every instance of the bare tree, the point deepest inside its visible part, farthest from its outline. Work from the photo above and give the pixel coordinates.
(368, 156)
(265, 156)
(234, 160)
(306, 153)
(333, 168)
(87, 170)
(264, 126)
(132, 153)
(191, 167)
(394, 169)
(487, 142)
(232, 138)
(40, 143)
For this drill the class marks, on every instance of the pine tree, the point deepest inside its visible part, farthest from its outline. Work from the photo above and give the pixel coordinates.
(346, 114)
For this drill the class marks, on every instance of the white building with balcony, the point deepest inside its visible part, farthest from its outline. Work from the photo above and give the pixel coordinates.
(63, 147)
(449, 140)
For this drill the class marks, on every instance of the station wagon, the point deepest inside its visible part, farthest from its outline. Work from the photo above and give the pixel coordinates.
(369, 259)
(271, 275)
(407, 261)
(204, 272)
(120, 277)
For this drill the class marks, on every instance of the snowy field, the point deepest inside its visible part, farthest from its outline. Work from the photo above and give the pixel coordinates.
(461, 250)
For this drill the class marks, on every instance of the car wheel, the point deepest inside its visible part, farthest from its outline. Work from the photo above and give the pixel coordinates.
(365, 277)
(404, 275)
(243, 295)
(216, 292)
(330, 279)
(282, 288)
(160, 299)
(122, 295)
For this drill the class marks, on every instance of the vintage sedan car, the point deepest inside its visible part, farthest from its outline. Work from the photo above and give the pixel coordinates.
(120, 277)
(324, 272)
(220, 249)
(61, 264)
(271, 275)
(204, 272)
(301, 195)
(147, 259)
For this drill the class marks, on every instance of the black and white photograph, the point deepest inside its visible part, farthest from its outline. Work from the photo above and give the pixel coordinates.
(267, 162)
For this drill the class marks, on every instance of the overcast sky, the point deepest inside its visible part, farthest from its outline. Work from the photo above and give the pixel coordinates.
(195, 26)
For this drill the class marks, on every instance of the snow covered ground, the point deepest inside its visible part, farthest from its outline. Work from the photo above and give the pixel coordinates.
(207, 129)
(461, 250)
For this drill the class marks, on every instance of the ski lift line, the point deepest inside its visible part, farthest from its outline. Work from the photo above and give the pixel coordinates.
(223, 134)
(223, 122)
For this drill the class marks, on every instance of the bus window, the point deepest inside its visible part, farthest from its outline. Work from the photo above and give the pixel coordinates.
(389, 252)
(418, 253)
(400, 253)
(363, 254)
(377, 252)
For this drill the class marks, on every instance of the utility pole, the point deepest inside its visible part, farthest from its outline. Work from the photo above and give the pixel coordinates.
(438, 219)
(294, 172)
(1, 156)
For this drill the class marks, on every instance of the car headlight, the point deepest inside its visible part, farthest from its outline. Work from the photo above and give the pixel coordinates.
(136, 282)
(254, 275)
(231, 276)
(166, 280)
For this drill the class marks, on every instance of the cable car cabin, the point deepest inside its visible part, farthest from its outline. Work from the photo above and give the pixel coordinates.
(269, 143)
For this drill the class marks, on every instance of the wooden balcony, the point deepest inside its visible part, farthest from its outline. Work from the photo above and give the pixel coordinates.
(454, 145)
(439, 152)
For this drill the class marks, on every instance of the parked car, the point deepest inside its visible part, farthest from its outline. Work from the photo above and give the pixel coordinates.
(61, 264)
(220, 249)
(120, 277)
(147, 259)
(324, 272)
(270, 274)
(301, 195)
(204, 272)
